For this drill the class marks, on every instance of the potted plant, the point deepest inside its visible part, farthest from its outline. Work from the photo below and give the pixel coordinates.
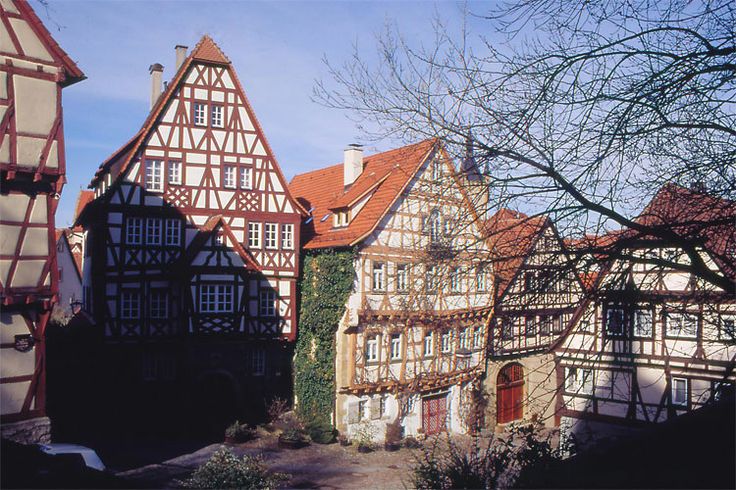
(393, 436)
(237, 433)
(343, 440)
(364, 437)
(293, 438)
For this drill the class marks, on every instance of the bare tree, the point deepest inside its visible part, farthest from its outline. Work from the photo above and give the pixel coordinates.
(583, 113)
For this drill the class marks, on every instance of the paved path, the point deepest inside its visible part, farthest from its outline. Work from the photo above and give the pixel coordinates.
(314, 466)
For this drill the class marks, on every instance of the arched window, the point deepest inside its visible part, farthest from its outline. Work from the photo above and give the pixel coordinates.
(510, 394)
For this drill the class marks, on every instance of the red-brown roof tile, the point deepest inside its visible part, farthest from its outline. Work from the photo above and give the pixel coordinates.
(207, 50)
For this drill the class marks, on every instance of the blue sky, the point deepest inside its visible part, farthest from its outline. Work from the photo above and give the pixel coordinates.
(277, 49)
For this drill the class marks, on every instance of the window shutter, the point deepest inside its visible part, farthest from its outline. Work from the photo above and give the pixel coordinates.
(376, 408)
(353, 415)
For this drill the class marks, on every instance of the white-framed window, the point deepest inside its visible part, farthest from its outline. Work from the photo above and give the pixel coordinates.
(173, 232)
(480, 279)
(216, 298)
(133, 231)
(682, 324)
(477, 337)
(200, 114)
(428, 343)
(446, 342)
(258, 361)
(530, 326)
(271, 236)
(579, 381)
(246, 178)
(436, 169)
(545, 325)
(382, 405)
(342, 219)
(174, 172)
(557, 323)
(431, 278)
(395, 345)
(379, 276)
(216, 118)
(371, 348)
(586, 326)
(159, 304)
(679, 392)
(229, 174)
(362, 406)
(130, 305)
(402, 277)
(254, 235)
(507, 329)
(642, 323)
(615, 321)
(455, 280)
(153, 231)
(727, 327)
(463, 338)
(287, 237)
(435, 226)
(218, 239)
(267, 302)
(155, 175)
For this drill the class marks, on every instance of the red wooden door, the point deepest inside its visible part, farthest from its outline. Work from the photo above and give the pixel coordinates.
(510, 394)
(434, 413)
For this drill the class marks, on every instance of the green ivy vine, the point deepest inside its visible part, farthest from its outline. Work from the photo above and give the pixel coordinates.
(325, 284)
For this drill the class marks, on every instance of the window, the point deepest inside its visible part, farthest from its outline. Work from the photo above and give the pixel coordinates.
(455, 280)
(61, 273)
(379, 274)
(477, 337)
(431, 279)
(557, 324)
(200, 114)
(361, 409)
(228, 176)
(287, 237)
(682, 325)
(642, 323)
(615, 322)
(155, 175)
(159, 306)
(530, 324)
(435, 226)
(173, 232)
(586, 384)
(342, 219)
(254, 235)
(410, 404)
(586, 326)
(174, 172)
(545, 325)
(271, 235)
(216, 298)
(153, 231)
(436, 170)
(218, 240)
(579, 381)
(268, 302)
(246, 178)
(722, 389)
(402, 277)
(728, 328)
(463, 339)
(446, 342)
(371, 348)
(258, 361)
(679, 392)
(133, 231)
(382, 406)
(396, 346)
(428, 343)
(530, 282)
(507, 329)
(216, 116)
(130, 307)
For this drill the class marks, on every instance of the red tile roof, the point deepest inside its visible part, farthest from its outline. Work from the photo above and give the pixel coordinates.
(207, 50)
(85, 197)
(511, 235)
(205, 233)
(384, 174)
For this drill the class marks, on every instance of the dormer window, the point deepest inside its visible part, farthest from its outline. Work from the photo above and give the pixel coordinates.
(342, 218)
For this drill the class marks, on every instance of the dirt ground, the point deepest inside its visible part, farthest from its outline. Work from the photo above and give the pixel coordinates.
(314, 466)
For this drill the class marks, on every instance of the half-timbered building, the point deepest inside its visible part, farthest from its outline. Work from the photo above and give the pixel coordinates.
(33, 72)
(192, 250)
(69, 265)
(655, 341)
(536, 293)
(410, 345)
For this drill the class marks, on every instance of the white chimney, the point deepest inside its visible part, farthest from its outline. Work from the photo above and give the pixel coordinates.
(156, 70)
(352, 163)
(181, 55)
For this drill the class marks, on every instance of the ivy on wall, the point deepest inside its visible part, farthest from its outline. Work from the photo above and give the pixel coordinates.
(326, 282)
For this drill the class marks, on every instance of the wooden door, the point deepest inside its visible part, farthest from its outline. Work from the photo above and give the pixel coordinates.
(510, 394)
(434, 414)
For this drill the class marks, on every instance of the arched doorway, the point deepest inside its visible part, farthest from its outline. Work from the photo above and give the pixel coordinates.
(510, 394)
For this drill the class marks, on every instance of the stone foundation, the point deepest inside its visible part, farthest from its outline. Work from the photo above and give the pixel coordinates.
(31, 431)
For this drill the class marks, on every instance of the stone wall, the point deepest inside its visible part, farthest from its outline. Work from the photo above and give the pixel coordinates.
(31, 431)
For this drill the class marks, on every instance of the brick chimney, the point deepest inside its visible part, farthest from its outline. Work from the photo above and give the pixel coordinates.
(156, 70)
(181, 55)
(352, 163)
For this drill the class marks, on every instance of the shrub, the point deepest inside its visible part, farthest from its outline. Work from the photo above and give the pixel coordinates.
(226, 470)
(276, 409)
(365, 434)
(239, 432)
(320, 431)
(393, 432)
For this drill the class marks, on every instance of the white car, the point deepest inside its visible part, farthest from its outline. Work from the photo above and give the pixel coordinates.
(90, 457)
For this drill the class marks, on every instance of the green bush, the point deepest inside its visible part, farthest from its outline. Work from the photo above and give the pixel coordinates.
(240, 432)
(320, 432)
(226, 470)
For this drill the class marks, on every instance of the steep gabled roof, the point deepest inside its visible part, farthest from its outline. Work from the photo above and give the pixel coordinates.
(385, 175)
(72, 71)
(511, 235)
(85, 197)
(205, 232)
(63, 234)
